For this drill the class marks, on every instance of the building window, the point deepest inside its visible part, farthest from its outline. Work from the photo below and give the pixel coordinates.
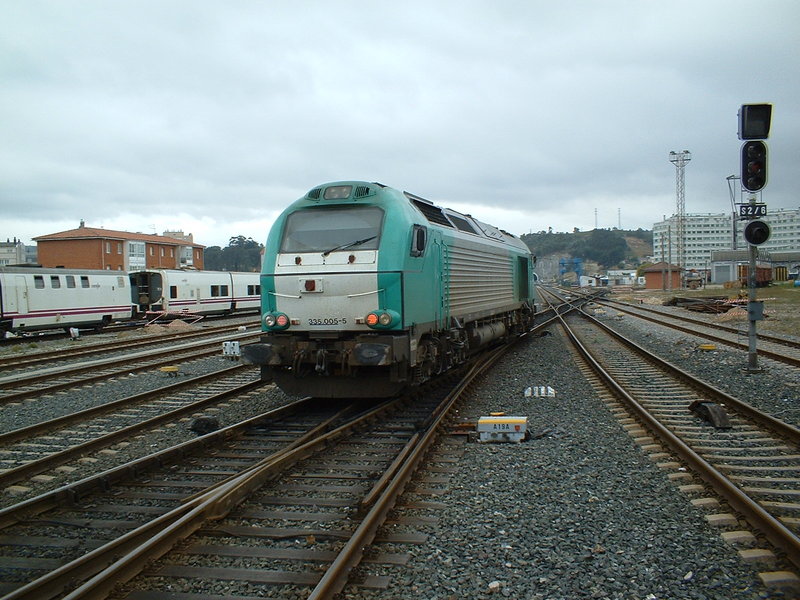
(38, 282)
(70, 281)
(55, 281)
(172, 252)
(162, 251)
(119, 247)
(151, 251)
(108, 247)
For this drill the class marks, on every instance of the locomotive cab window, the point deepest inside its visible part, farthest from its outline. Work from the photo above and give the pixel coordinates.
(332, 229)
(419, 238)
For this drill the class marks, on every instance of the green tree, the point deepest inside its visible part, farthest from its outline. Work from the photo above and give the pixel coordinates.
(241, 254)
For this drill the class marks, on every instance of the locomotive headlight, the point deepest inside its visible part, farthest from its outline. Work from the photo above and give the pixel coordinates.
(382, 319)
(276, 321)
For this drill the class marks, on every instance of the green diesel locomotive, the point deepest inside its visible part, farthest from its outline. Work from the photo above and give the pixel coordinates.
(367, 290)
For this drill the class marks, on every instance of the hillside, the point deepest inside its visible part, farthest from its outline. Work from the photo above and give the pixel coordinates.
(609, 248)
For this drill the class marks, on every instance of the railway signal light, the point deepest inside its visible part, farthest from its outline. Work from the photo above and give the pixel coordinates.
(754, 165)
(756, 232)
(754, 121)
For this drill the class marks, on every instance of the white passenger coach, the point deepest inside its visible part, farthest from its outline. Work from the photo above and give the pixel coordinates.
(35, 298)
(197, 292)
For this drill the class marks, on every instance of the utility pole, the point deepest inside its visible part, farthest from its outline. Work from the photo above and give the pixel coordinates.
(680, 160)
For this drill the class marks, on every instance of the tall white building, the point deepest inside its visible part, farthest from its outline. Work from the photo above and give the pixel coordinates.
(706, 232)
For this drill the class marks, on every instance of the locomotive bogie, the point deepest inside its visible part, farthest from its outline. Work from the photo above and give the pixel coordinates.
(367, 290)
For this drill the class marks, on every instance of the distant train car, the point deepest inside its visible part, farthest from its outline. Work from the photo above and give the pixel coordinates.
(35, 298)
(763, 275)
(367, 290)
(198, 292)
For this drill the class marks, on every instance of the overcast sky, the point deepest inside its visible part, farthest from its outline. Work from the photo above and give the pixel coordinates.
(211, 117)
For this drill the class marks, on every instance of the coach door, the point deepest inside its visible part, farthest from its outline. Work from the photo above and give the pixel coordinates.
(22, 294)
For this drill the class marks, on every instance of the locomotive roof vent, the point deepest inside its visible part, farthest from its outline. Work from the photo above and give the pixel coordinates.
(315, 193)
(433, 213)
(362, 191)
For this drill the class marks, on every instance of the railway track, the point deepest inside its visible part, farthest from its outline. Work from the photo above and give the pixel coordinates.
(309, 506)
(777, 348)
(752, 465)
(25, 385)
(30, 451)
(9, 363)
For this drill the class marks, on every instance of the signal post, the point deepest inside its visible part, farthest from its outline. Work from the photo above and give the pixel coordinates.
(754, 123)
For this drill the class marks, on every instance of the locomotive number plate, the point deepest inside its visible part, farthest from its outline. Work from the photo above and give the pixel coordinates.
(327, 321)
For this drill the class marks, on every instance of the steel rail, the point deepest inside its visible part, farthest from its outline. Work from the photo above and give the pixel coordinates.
(72, 492)
(99, 348)
(629, 307)
(37, 466)
(789, 360)
(214, 505)
(779, 427)
(24, 378)
(775, 531)
(335, 577)
(125, 370)
(94, 562)
(46, 426)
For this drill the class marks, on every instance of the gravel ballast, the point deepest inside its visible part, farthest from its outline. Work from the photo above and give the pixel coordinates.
(578, 511)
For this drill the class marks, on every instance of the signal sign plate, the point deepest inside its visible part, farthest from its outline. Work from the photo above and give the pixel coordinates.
(750, 211)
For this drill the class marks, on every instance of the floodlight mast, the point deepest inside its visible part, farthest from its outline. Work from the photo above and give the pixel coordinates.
(680, 160)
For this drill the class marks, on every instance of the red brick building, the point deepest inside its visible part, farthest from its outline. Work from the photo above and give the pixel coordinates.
(662, 276)
(93, 248)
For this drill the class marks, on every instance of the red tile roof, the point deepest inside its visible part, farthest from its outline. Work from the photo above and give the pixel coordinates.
(110, 234)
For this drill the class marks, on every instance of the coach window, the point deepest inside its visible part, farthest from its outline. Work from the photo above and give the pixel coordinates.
(55, 281)
(214, 291)
(173, 291)
(70, 281)
(38, 282)
(84, 281)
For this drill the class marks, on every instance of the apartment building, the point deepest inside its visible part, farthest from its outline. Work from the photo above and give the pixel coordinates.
(708, 232)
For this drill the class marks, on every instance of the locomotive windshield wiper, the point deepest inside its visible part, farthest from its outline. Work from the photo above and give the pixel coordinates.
(349, 245)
